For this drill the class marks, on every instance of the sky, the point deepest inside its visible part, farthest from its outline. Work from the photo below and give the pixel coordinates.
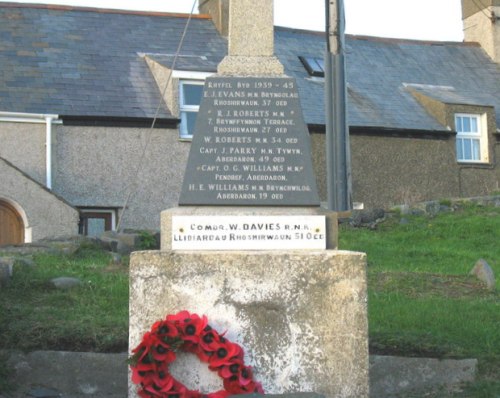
(439, 20)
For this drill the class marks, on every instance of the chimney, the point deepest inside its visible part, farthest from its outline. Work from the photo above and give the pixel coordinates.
(219, 11)
(481, 21)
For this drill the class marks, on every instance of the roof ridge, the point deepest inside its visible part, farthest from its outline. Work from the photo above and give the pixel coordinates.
(382, 39)
(412, 41)
(60, 7)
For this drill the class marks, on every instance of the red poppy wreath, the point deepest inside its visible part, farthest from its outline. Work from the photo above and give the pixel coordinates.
(190, 333)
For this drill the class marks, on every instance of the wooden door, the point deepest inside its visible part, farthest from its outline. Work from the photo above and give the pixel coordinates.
(11, 225)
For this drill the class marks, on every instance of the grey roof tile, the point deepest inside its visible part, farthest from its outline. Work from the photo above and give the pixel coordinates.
(89, 60)
(83, 62)
(378, 71)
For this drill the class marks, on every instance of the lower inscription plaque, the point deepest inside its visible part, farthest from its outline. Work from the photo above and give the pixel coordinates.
(248, 232)
(250, 146)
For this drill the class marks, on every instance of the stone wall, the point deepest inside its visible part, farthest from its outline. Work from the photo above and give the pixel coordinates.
(393, 170)
(481, 29)
(97, 166)
(23, 145)
(44, 214)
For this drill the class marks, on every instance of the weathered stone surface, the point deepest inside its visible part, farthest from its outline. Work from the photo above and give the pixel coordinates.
(41, 392)
(116, 258)
(6, 265)
(484, 273)
(64, 245)
(366, 218)
(74, 374)
(251, 28)
(35, 369)
(65, 282)
(121, 243)
(250, 66)
(251, 40)
(26, 261)
(396, 376)
(300, 316)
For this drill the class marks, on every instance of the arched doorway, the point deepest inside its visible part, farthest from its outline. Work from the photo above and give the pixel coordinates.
(11, 225)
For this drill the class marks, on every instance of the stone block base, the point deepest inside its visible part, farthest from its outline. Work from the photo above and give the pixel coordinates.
(301, 317)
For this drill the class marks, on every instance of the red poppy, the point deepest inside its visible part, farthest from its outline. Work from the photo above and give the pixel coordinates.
(225, 353)
(231, 369)
(210, 340)
(233, 386)
(165, 329)
(140, 372)
(163, 352)
(219, 394)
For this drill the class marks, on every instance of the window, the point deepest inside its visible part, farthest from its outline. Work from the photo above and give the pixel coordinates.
(93, 222)
(471, 141)
(190, 94)
(314, 66)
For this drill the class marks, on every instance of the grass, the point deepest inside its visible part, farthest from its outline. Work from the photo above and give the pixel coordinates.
(93, 317)
(422, 302)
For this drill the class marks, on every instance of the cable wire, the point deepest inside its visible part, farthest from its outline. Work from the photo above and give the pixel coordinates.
(133, 188)
(481, 7)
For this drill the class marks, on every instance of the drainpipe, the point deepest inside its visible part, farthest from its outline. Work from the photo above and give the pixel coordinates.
(48, 150)
(49, 120)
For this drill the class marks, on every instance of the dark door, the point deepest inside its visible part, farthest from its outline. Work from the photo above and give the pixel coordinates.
(94, 224)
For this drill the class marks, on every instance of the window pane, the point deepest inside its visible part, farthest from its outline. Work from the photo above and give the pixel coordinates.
(467, 149)
(321, 64)
(314, 66)
(460, 151)
(473, 122)
(475, 150)
(188, 120)
(192, 94)
(466, 124)
(459, 124)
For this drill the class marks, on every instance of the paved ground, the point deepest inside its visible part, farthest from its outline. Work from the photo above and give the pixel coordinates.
(51, 374)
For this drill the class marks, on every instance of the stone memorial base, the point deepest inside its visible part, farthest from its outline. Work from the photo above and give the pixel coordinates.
(300, 316)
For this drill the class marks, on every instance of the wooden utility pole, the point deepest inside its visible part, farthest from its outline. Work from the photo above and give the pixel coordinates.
(338, 157)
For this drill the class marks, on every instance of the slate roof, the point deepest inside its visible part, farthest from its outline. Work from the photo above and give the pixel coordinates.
(380, 73)
(88, 62)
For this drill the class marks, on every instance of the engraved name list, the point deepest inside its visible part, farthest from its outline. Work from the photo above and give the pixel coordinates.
(250, 146)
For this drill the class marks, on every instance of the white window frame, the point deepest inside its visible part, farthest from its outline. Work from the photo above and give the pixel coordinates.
(479, 136)
(185, 109)
(187, 77)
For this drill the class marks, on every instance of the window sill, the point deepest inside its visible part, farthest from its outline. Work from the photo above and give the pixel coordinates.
(482, 165)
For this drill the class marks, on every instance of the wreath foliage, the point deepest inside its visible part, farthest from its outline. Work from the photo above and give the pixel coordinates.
(191, 333)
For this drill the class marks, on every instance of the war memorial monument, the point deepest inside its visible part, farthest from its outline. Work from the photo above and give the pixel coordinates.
(249, 245)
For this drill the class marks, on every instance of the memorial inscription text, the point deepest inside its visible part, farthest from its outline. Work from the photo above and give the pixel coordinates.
(252, 146)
